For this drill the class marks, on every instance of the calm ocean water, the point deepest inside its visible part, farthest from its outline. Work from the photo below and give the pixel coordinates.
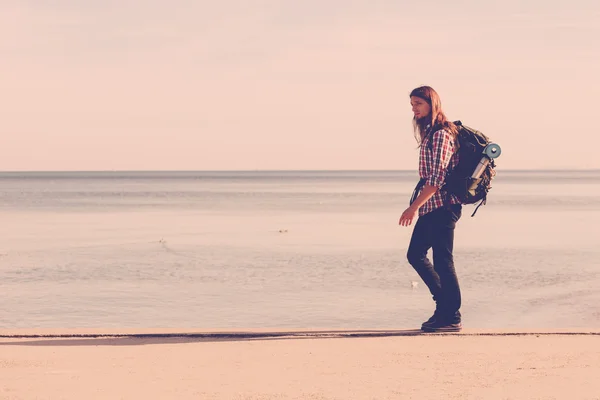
(296, 249)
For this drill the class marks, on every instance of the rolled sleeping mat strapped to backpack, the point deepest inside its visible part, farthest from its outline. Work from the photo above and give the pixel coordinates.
(490, 152)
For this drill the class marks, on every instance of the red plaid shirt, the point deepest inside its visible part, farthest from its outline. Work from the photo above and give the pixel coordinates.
(435, 159)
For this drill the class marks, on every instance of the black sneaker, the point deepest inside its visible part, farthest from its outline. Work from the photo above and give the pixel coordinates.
(430, 320)
(440, 325)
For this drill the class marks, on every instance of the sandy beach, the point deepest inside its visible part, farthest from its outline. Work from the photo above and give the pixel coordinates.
(325, 364)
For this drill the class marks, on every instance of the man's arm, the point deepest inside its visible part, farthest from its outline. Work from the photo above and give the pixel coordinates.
(425, 195)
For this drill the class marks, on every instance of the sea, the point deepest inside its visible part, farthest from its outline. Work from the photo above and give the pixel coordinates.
(239, 250)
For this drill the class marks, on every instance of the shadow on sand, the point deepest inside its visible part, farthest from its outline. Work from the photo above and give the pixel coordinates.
(181, 338)
(139, 339)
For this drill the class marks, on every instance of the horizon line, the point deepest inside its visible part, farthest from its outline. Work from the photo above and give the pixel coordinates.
(284, 170)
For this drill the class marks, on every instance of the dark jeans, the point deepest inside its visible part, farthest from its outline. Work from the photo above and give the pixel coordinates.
(436, 230)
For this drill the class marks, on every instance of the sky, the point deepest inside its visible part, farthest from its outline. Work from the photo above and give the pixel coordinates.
(289, 84)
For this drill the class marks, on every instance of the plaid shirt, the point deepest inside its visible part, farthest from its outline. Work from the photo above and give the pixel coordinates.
(435, 160)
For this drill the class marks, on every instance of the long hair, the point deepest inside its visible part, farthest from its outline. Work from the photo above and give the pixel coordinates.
(436, 117)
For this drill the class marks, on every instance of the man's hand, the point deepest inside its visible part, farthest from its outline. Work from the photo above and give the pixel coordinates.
(407, 216)
(411, 212)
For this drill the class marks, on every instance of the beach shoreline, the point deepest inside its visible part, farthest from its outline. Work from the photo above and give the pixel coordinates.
(268, 333)
(298, 364)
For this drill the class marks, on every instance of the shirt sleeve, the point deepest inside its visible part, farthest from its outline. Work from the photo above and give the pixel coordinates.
(442, 150)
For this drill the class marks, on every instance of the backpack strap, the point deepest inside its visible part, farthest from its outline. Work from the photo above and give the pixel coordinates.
(483, 201)
(433, 129)
(415, 193)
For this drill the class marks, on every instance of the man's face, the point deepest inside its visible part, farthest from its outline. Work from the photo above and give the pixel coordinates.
(420, 107)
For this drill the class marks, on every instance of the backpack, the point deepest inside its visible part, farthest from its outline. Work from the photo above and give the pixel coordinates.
(458, 181)
(471, 145)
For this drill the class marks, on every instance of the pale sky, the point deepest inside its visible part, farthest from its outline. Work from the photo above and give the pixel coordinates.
(291, 84)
